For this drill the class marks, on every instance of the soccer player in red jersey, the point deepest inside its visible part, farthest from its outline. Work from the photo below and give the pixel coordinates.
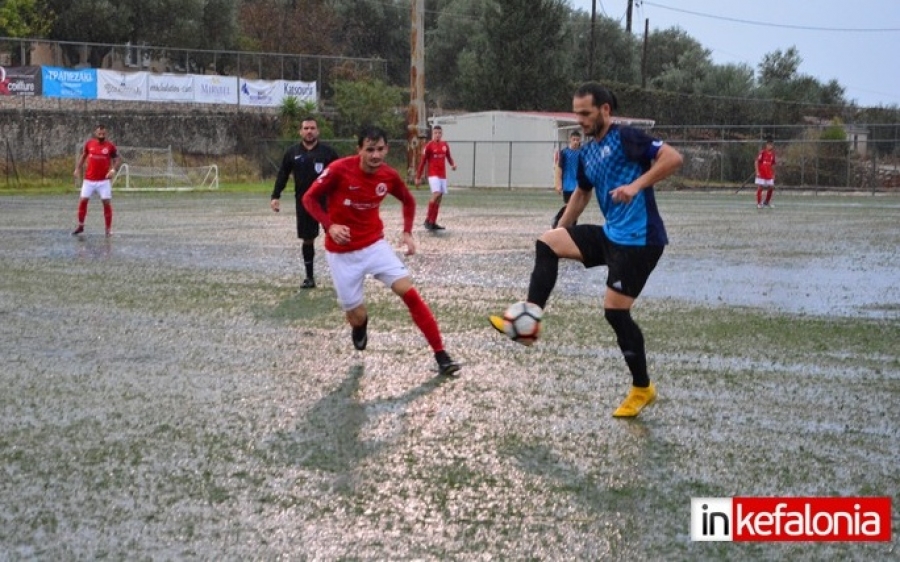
(352, 189)
(102, 160)
(765, 174)
(435, 156)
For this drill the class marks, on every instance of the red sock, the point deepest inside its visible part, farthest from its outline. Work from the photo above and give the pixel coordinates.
(424, 319)
(758, 195)
(107, 214)
(429, 216)
(769, 196)
(82, 210)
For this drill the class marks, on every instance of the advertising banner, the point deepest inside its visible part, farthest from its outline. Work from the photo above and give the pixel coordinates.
(303, 91)
(171, 87)
(125, 86)
(20, 81)
(78, 83)
(215, 89)
(261, 93)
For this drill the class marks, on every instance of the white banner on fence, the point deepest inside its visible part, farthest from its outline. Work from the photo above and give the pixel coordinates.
(303, 91)
(210, 88)
(261, 93)
(171, 87)
(130, 86)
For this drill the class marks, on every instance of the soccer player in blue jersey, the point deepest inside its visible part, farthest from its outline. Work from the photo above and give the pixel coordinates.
(567, 172)
(621, 165)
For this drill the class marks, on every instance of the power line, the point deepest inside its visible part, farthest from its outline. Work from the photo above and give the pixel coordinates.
(769, 24)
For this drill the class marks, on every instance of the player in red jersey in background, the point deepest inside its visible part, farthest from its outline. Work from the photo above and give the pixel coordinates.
(353, 189)
(435, 156)
(765, 173)
(102, 160)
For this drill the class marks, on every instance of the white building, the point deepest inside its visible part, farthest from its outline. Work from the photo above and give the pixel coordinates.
(509, 148)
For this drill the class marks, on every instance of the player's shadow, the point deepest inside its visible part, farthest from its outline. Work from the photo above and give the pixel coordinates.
(621, 483)
(328, 437)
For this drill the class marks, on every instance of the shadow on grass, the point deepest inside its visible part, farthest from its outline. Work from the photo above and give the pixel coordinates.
(328, 438)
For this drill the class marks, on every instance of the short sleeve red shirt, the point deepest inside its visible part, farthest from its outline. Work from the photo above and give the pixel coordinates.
(99, 159)
(435, 156)
(353, 198)
(766, 161)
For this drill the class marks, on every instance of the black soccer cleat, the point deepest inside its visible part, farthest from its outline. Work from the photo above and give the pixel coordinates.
(308, 283)
(446, 367)
(436, 226)
(360, 335)
(428, 225)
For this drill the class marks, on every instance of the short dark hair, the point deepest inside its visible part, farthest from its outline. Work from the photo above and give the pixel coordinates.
(575, 134)
(372, 133)
(309, 118)
(437, 127)
(600, 93)
(769, 138)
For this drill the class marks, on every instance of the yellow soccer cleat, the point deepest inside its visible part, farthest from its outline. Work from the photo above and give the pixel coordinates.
(498, 323)
(636, 400)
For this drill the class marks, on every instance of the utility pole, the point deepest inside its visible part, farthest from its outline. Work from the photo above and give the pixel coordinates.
(628, 17)
(415, 116)
(644, 54)
(591, 53)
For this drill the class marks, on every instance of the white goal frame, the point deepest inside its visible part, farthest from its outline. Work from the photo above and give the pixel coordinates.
(154, 169)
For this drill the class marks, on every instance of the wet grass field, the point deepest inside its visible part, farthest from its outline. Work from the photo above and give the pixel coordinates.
(170, 393)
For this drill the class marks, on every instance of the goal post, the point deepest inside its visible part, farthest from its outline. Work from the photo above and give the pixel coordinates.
(154, 169)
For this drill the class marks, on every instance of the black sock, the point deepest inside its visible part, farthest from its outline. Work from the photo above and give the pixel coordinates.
(309, 252)
(631, 342)
(543, 276)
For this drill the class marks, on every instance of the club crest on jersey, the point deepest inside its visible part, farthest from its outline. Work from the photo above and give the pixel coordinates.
(319, 167)
(381, 189)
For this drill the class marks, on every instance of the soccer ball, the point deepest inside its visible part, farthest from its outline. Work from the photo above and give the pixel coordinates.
(522, 322)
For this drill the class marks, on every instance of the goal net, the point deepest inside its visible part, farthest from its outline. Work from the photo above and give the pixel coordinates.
(154, 169)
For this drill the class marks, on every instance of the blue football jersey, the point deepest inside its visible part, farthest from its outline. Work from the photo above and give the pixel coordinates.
(618, 159)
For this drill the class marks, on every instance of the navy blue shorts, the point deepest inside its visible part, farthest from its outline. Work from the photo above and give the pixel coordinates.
(629, 266)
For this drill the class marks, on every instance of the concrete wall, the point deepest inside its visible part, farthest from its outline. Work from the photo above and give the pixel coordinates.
(54, 129)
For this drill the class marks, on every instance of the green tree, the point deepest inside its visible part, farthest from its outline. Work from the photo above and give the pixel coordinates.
(513, 62)
(25, 18)
(368, 102)
(376, 29)
(687, 74)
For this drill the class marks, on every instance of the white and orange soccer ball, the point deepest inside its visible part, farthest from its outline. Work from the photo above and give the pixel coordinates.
(522, 322)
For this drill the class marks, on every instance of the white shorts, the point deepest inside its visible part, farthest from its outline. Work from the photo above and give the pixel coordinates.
(437, 185)
(349, 270)
(103, 187)
(762, 182)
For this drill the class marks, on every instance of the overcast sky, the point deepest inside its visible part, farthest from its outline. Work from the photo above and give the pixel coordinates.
(856, 42)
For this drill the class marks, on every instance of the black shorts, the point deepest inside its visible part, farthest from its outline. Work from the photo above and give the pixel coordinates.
(629, 266)
(307, 227)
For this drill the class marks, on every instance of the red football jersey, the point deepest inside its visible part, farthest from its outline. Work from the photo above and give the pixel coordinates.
(99, 158)
(436, 156)
(353, 199)
(766, 164)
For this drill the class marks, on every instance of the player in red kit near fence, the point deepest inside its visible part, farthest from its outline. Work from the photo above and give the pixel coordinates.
(352, 189)
(765, 174)
(436, 156)
(102, 159)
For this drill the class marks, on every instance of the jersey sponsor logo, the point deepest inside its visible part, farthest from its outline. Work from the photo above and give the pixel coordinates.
(353, 187)
(381, 189)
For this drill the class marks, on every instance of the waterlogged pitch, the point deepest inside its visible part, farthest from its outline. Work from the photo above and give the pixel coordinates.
(170, 393)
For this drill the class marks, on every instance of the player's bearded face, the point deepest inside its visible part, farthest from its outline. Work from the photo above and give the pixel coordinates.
(372, 154)
(100, 134)
(309, 131)
(593, 120)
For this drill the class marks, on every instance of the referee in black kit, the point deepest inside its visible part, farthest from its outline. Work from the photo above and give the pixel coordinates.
(306, 160)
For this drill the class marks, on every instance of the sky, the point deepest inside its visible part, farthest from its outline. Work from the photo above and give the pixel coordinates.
(856, 42)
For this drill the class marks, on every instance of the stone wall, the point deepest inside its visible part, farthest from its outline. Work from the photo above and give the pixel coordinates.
(46, 128)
